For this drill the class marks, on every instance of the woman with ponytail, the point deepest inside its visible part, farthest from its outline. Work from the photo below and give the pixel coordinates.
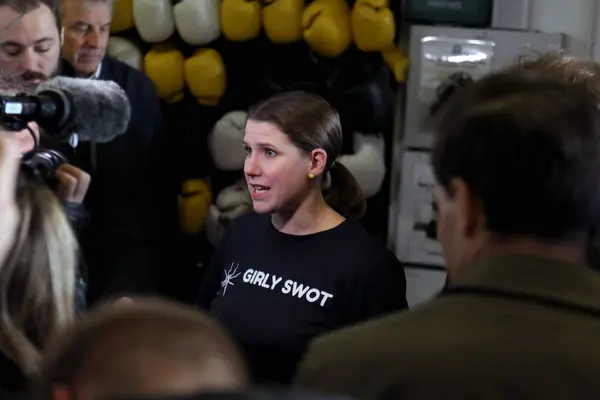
(302, 264)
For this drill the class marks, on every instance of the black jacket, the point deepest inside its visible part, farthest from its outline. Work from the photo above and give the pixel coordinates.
(118, 243)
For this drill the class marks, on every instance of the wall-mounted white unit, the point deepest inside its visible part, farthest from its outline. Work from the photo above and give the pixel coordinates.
(437, 52)
(422, 284)
(413, 244)
(512, 14)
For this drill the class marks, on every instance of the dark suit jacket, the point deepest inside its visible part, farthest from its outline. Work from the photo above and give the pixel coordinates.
(120, 241)
(518, 327)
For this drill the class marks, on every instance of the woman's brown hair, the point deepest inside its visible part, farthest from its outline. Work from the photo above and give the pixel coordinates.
(312, 123)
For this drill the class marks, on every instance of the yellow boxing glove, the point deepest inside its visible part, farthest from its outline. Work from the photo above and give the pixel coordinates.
(282, 20)
(122, 16)
(194, 201)
(164, 66)
(326, 27)
(240, 19)
(398, 62)
(373, 25)
(206, 77)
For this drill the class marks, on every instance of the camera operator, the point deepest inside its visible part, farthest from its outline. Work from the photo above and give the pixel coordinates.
(116, 246)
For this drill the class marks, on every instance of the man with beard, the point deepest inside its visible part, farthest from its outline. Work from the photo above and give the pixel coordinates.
(116, 245)
(27, 57)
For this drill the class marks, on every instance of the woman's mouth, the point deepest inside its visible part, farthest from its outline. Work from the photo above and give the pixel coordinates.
(258, 191)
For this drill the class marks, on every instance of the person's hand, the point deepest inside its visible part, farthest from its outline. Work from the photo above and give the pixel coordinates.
(25, 141)
(9, 213)
(73, 184)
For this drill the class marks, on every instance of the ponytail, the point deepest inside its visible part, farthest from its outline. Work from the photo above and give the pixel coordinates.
(345, 195)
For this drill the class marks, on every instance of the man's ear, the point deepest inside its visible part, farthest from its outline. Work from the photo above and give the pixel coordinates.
(62, 36)
(317, 162)
(470, 210)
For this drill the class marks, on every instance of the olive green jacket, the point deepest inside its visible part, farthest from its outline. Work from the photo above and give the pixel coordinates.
(517, 327)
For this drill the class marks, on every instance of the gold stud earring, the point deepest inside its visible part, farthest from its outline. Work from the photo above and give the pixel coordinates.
(311, 175)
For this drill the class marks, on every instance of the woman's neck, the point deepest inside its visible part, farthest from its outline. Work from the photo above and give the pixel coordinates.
(312, 216)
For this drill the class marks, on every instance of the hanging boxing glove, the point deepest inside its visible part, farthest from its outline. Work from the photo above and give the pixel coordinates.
(367, 164)
(373, 25)
(366, 95)
(197, 21)
(282, 20)
(233, 197)
(240, 19)
(164, 65)
(397, 61)
(205, 76)
(225, 141)
(125, 51)
(326, 27)
(194, 202)
(232, 202)
(154, 20)
(214, 228)
(122, 16)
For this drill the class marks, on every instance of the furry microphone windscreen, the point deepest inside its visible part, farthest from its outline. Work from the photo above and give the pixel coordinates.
(100, 110)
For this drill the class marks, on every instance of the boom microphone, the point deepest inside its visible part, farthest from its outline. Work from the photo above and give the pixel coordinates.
(96, 110)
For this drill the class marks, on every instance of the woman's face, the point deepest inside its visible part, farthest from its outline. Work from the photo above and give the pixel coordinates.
(276, 170)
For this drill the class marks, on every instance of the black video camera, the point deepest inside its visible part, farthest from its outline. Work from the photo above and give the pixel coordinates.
(38, 164)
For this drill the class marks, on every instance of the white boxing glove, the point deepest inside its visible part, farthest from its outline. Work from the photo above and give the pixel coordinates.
(367, 164)
(225, 141)
(234, 196)
(197, 21)
(232, 202)
(125, 51)
(154, 20)
(214, 227)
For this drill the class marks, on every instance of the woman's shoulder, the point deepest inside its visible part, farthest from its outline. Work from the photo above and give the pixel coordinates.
(247, 225)
(353, 240)
(353, 231)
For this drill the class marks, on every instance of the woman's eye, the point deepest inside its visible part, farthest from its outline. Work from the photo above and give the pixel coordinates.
(270, 153)
(248, 150)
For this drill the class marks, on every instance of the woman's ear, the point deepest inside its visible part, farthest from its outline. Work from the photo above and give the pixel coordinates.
(317, 162)
(62, 36)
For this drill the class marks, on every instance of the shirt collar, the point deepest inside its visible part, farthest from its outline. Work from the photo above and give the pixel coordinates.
(535, 275)
(96, 75)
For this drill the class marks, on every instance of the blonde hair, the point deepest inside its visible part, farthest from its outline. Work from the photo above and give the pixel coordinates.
(37, 281)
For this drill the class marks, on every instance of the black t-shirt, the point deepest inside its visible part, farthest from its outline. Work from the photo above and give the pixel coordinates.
(275, 292)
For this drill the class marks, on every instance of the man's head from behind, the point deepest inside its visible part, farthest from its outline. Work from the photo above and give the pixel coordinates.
(517, 160)
(87, 30)
(577, 72)
(145, 348)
